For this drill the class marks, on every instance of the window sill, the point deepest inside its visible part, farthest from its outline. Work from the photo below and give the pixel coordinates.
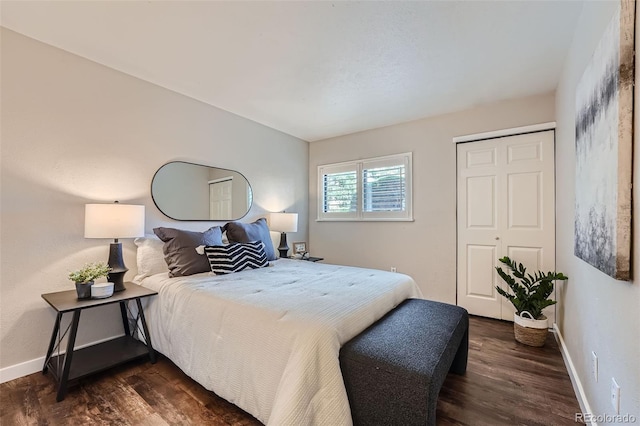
(376, 219)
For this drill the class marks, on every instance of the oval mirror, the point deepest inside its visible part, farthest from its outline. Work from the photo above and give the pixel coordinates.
(187, 191)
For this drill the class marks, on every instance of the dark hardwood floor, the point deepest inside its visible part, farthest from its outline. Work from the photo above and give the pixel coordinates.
(506, 384)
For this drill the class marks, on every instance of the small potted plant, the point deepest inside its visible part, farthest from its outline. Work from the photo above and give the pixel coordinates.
(85, 276)
(530, 296)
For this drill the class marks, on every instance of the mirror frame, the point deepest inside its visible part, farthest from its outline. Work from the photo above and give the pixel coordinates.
(200, 165)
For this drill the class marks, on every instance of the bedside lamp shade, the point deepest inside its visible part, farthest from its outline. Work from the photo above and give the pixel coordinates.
(114, 221)
(283, 223)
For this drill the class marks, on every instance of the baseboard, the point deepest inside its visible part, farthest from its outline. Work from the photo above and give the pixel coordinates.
(35, 365)
(20, 370)
(573, 375)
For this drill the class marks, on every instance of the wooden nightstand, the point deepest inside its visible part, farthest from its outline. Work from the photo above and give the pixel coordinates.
(77, 363)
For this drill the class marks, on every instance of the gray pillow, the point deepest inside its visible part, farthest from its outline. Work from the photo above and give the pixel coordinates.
(180, 249)
(249, 232)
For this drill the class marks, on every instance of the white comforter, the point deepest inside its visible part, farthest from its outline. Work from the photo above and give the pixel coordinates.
(268, 339)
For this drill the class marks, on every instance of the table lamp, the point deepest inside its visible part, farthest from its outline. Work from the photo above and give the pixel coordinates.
(114, 221)
(283, 223)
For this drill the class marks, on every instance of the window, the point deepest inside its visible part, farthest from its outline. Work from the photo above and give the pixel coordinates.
(370, 189)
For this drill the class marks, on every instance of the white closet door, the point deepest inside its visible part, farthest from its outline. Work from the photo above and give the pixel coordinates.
(505, 208)
(220, 200)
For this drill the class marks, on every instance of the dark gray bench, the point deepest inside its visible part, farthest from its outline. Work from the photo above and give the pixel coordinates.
(393, 371)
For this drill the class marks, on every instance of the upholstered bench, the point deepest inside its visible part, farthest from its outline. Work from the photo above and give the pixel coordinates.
(393, 371)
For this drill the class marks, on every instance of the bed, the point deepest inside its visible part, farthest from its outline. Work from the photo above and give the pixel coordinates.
(268, 339)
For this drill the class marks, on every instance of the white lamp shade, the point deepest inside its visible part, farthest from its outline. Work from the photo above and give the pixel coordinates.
(283, 222)
(113, 221)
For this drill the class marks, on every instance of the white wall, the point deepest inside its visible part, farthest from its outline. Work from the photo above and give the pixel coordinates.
(595, 312)
(425, 248)
(74, 132)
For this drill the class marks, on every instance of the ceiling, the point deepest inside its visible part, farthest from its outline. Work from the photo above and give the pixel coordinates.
(317, 69)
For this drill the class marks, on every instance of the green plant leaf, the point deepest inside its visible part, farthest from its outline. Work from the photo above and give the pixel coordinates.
(530, 292)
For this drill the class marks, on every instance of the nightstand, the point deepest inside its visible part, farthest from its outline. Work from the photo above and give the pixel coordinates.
(78, 363)
(313, 259)
(308, 258)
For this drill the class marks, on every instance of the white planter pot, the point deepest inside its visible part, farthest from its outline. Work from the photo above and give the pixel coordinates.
(529, 322)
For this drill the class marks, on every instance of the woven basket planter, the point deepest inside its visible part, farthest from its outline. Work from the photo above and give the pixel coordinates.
(529, 331)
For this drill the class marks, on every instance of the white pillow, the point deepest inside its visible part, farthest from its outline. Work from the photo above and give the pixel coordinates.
(150, 257)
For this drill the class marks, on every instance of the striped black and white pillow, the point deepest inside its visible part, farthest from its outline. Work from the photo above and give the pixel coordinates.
(236, 257)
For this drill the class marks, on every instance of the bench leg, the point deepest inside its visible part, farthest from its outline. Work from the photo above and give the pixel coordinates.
(459, 364)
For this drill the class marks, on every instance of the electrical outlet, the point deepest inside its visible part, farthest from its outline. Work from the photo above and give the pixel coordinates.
(594, 366)
(615, 395)
(393, 269)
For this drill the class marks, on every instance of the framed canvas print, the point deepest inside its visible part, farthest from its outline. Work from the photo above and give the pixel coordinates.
(604, 140)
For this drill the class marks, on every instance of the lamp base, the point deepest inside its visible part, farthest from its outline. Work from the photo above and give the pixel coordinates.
(118, 269)
(283, 248)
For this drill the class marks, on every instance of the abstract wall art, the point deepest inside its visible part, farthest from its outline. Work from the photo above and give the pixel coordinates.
(604, 144)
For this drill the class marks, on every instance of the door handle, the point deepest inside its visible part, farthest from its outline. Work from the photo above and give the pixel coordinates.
(497, 238)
